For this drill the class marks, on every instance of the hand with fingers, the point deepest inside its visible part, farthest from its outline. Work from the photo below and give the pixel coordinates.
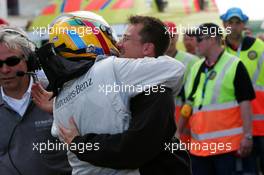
(68, 134)
(245, 147)
(42, 98)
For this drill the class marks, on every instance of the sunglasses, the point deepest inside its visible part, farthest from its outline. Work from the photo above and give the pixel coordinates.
(201, 38)
(11, 61)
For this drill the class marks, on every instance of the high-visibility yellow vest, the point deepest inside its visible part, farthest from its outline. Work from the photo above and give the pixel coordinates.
(253, 59)
(216, 120)
(188, 60)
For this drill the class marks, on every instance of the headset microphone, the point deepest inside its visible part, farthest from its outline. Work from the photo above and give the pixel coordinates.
(33, 74)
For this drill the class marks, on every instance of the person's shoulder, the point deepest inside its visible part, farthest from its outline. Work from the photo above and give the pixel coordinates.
(191, 56)
(186, 54)
(230, 58)
(104, 62)
(167, 59)
(229, 55)
(199, 62)
(259, 42)
(124, 63)
(103, 59)
(248, 42)
(160, 61)
(144, 60)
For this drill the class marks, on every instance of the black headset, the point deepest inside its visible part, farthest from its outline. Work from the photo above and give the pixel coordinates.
(33, 62)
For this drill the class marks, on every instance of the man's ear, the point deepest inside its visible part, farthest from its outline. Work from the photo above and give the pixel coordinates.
(148, 49)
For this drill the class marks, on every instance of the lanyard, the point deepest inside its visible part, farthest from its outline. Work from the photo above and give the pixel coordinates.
(239, 49)
(205, 82)
(208, 76)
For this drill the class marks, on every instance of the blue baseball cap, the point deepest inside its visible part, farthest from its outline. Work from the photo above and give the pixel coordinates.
(234, 12)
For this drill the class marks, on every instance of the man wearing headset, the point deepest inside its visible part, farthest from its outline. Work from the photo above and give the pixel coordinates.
(22, 124)
(107, 117)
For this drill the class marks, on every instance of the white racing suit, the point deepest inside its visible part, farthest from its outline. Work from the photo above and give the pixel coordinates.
(99, 99)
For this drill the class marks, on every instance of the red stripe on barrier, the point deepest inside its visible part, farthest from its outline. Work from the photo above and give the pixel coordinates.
(123, 4)
(72, 5)
(196, 6)
(95, 5)
(49, 9)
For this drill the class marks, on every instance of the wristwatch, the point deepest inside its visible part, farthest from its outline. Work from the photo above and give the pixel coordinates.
(249, 136)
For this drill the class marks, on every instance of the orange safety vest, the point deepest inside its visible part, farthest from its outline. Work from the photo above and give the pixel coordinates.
(216, 124)
(253, 59)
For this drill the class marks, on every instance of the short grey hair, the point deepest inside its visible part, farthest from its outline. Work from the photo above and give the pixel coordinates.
(15, 38)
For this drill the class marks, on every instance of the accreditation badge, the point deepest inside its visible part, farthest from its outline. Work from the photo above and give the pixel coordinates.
(212, 75)
(252, 54)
